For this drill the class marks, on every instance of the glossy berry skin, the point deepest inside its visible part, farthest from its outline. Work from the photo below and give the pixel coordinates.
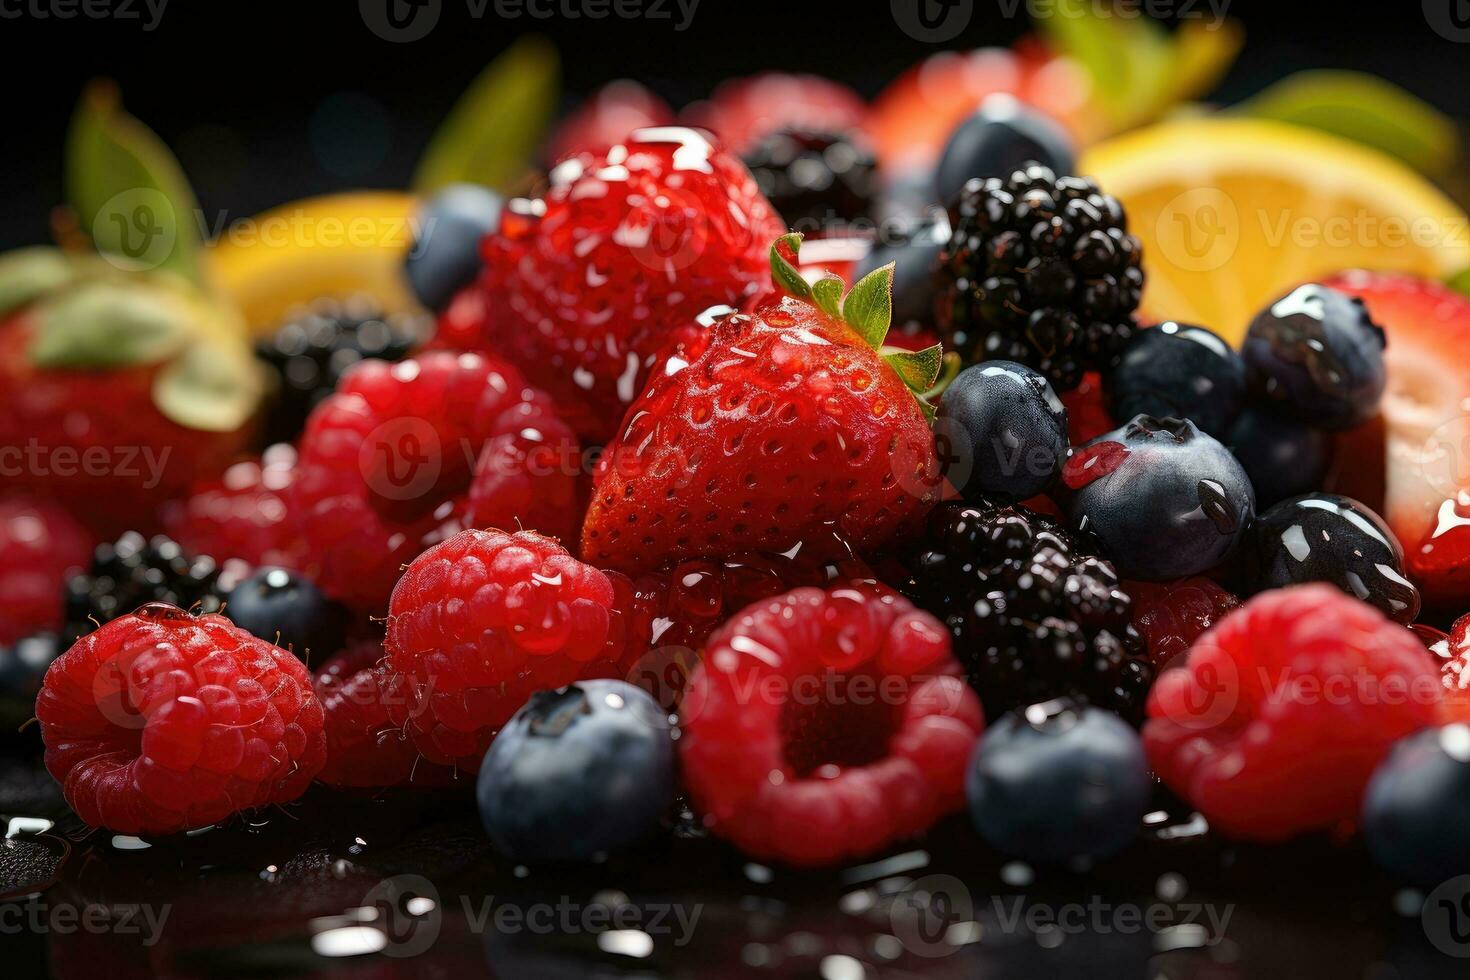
(1014, 427)
(405, 454)
(1274, 725)
(132, 572)
(784, 424)
(1179, 371)
(445, 254)
(793, 751)
(40, 547)
(1322, 537)
(244, 514)
(1283, 457)
(1416, 804)
(1166, 500)
(161, 721)
(1059, 782)
(1170, 616)
(286, 608)
(477, 624)
(915, 257)
(1002, 136)
(578, 774)
(1316, 353)
(626, 249)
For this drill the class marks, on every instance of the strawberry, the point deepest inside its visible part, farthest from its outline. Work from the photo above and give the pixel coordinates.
(583, 288)
(780, 423)
(742, 110)
(1426, 427)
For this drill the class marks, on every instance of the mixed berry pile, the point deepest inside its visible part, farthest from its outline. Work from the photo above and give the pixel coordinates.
(674, 503)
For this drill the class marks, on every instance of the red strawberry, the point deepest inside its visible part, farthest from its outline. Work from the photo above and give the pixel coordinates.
(1426, 412)
(613, 111)
(742, 110)
(584, 288)
(788, 419)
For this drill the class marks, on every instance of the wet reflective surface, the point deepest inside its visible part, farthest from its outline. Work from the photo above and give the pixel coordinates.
(358, 886)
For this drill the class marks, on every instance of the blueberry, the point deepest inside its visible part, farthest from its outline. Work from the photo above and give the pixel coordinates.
(1059, 783)
(446, 254)
(287, 608)
(1181, 371)
(1316, 352)
(1015, 426)
(23, 666)
(1282, 456)
(915, 258)
(1322, 537)
(1165, 500)
(1001, 137)
(578, 774)
(1417, 806)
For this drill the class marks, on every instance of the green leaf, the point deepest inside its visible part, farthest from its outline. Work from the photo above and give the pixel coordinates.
(868, 308)
(27, 274)
(211, 387)
(1460, 282)
(108, 324)
(129, 193)
(491, 135)
(827, 294)
(950, 368)
(1365, 109)
(1125, 56)
(787, 277)
(917, 369)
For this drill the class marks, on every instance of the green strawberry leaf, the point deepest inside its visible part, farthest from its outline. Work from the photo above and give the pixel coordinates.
(917, 369)
(491, 135)
(868, 308)
(107, 324)
(1365, 109)
(27, 274)
(785, 274)
(128, 191)
(210, 387)
(827, 294)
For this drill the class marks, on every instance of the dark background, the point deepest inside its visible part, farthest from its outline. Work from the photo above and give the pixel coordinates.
(246, 92)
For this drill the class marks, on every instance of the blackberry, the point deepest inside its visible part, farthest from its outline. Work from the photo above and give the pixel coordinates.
(310, 353)
(1039, 269)
(813, 177)
(134, 571)
(1034, 612)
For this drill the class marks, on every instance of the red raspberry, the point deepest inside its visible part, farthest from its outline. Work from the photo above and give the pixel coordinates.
(480, 622)
(743, 110)
(40, 547)
(404, 455)
(613, 111)
(1170, 616)
(824, 725)
(364, 747)
(1283, 710)
(243, 515)
(161, 721)
(584, 288)
(1453, 653)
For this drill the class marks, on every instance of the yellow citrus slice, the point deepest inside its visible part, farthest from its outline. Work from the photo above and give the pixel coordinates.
(1234, 212)
(334, 246)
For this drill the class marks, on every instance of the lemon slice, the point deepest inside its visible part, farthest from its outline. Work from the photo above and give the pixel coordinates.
(1233, 213)
(329, 247)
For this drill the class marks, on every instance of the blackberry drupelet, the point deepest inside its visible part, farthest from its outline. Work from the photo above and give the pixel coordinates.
(1039, 269)
(1034, 613)
(812, 177)
(310, 353)
(135, 571)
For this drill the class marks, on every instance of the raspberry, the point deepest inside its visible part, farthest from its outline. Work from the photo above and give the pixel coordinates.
(1276, 722)
(1171, 616)
(161, 721)
(40, 547)
(824, 725)
(477, 624)
(406, 454)
(243, 515)
(364, 747)
(584, 288)
(1453, 653)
